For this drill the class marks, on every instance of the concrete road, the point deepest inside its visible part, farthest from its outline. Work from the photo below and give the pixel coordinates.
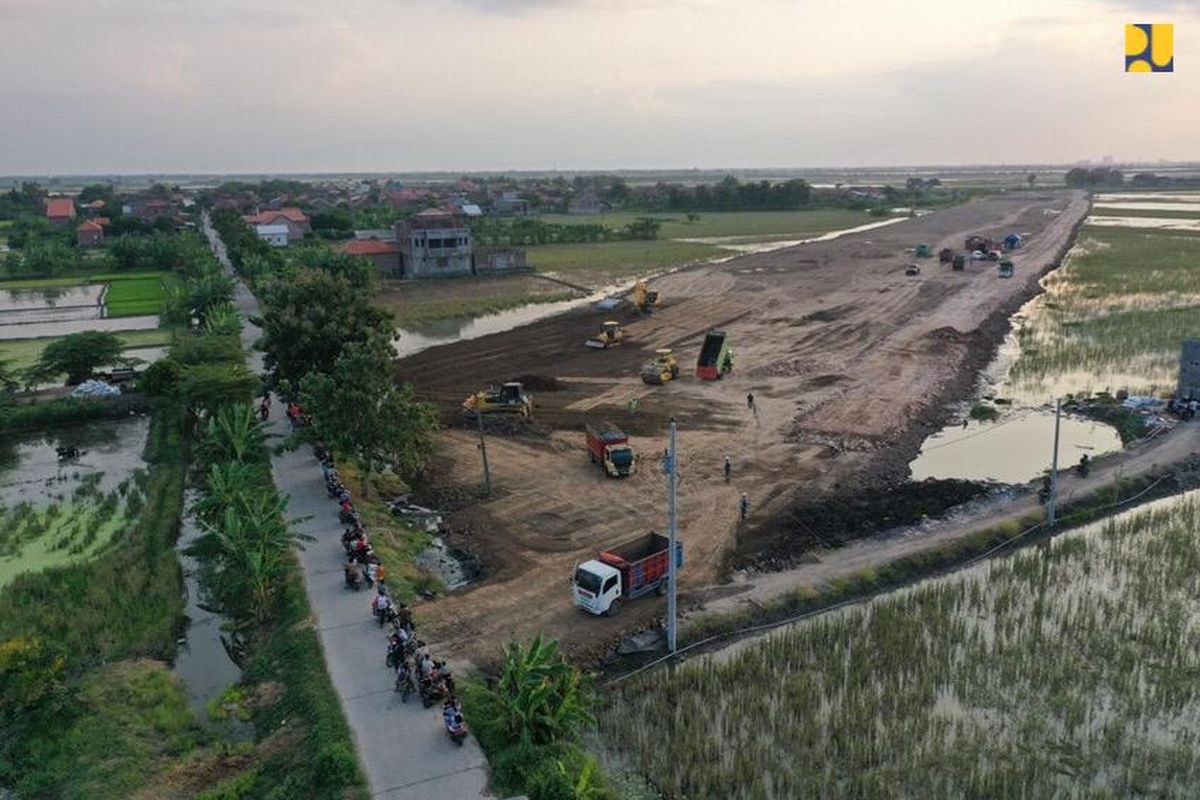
(402, 747)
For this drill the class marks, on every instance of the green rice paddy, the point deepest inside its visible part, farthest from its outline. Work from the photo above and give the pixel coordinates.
(1066, 670)
(1114, 315)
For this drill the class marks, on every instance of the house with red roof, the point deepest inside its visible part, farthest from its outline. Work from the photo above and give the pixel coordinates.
(60, 211)
(384, 255)
(90, 232)
(297, 222)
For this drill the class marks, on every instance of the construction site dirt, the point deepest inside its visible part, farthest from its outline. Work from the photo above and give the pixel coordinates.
(851, 364)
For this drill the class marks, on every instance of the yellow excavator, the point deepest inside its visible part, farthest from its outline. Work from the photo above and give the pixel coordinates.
(610, 336)
(508, 399)
(644, 298)
(662, 369)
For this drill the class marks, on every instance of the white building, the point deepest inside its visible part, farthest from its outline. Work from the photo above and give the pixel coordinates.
(274, 235)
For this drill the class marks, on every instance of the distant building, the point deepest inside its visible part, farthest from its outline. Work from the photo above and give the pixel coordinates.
(378, 234)
(489, 260)
(1189, 371)
(383, 254)
(60, 211)
(90, 233)
(274, 235)
(585, 203)
(434, 243)
(510, 204)
(470, 210)
(149, 208)
(295, 220)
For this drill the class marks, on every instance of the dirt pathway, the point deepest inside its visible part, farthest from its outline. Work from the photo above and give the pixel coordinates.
(1148, 457)
(402, 747)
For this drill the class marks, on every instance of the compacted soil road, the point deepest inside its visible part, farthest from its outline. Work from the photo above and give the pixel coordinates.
(851, 364)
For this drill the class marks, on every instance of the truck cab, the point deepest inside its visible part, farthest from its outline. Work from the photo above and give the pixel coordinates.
(596, 586)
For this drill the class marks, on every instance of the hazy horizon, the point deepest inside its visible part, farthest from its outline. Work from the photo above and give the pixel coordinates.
(166, 87)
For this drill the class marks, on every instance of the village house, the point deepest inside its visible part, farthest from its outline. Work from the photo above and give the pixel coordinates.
(510, 204)
(60, 211)
(585, 203)
(90, 232)
(274, 235)
(385, 255)
(295, 220)
(434, 243)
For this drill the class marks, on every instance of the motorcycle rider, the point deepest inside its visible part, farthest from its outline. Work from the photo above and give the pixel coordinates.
(381, 604)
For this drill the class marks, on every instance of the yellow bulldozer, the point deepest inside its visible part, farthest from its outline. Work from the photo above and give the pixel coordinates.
(508, 399)
(610, 336)
(662, 369)
(644, 298)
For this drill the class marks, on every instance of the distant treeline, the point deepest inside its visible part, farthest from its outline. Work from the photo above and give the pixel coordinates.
(731, 194)
(526, 231)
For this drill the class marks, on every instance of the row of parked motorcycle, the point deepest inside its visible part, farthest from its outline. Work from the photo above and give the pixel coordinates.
(416, 671)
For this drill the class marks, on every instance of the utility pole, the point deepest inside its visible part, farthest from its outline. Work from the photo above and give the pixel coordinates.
(1054, 466)
(672, 519)
(487, 476)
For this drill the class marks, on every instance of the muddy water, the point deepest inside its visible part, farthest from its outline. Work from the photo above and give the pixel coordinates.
(410, 342)
(63, 327)
(52, 304)
(202, 661)
(1014, 449)
(31, 472)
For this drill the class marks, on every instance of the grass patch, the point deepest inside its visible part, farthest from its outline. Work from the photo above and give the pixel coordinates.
(24, 353)
(130, 721)
(675, 225)
(984, 413)
(601, 263)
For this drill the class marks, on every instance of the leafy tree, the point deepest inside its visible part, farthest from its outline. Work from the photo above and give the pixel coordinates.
(310, 319)
(161, 379)
(9, 381)
(224, 486)
(207, 387)
(209, 292)
(361, 414)
(78, 355)
(359, 271)
(223, 321)
(48, 258)
(32, 689)
(644, 228)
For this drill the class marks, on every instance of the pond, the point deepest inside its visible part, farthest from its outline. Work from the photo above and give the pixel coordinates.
(1066, 669)
(1016, 448)
(53, 510)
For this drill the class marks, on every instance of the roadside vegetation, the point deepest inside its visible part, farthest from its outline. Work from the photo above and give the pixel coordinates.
(969, 683)
(1115, 315)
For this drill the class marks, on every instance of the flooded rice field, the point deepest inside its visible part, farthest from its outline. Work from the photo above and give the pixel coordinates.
(1148, 223)
(51, 304)
(1015, 448)
(1147, 197)
(63, 327)
(58, 509)
(1063, 670)
(1107, 209)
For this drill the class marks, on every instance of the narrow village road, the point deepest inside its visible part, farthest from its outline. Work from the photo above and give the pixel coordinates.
(402, 747)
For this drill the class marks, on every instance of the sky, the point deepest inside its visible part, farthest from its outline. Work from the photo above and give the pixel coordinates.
(196, 86)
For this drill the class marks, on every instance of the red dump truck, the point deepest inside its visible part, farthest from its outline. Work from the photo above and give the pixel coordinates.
(624, 573)
(609, 447)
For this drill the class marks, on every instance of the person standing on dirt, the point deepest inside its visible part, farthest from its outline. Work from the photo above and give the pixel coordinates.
(750, 402)
(743, 507)
(728, 468)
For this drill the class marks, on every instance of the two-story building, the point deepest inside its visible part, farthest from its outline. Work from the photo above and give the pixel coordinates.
(295, 220)
(434, 243)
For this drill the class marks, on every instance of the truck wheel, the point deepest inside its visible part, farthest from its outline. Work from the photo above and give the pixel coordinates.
(613, 609)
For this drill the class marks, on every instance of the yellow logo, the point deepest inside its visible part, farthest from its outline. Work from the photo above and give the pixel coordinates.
(1150, 47)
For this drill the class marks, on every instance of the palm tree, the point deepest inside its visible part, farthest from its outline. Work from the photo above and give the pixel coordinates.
(541, 696)
(225, 485)
(223, 321)
(234, 434)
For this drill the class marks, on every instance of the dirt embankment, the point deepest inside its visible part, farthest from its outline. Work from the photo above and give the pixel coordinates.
(851, 363)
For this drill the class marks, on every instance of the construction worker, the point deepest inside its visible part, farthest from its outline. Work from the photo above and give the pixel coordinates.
(728, 468)
(743, 507)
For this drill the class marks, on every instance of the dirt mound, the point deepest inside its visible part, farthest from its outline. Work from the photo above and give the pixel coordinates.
(539, 383)
(840, 519)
